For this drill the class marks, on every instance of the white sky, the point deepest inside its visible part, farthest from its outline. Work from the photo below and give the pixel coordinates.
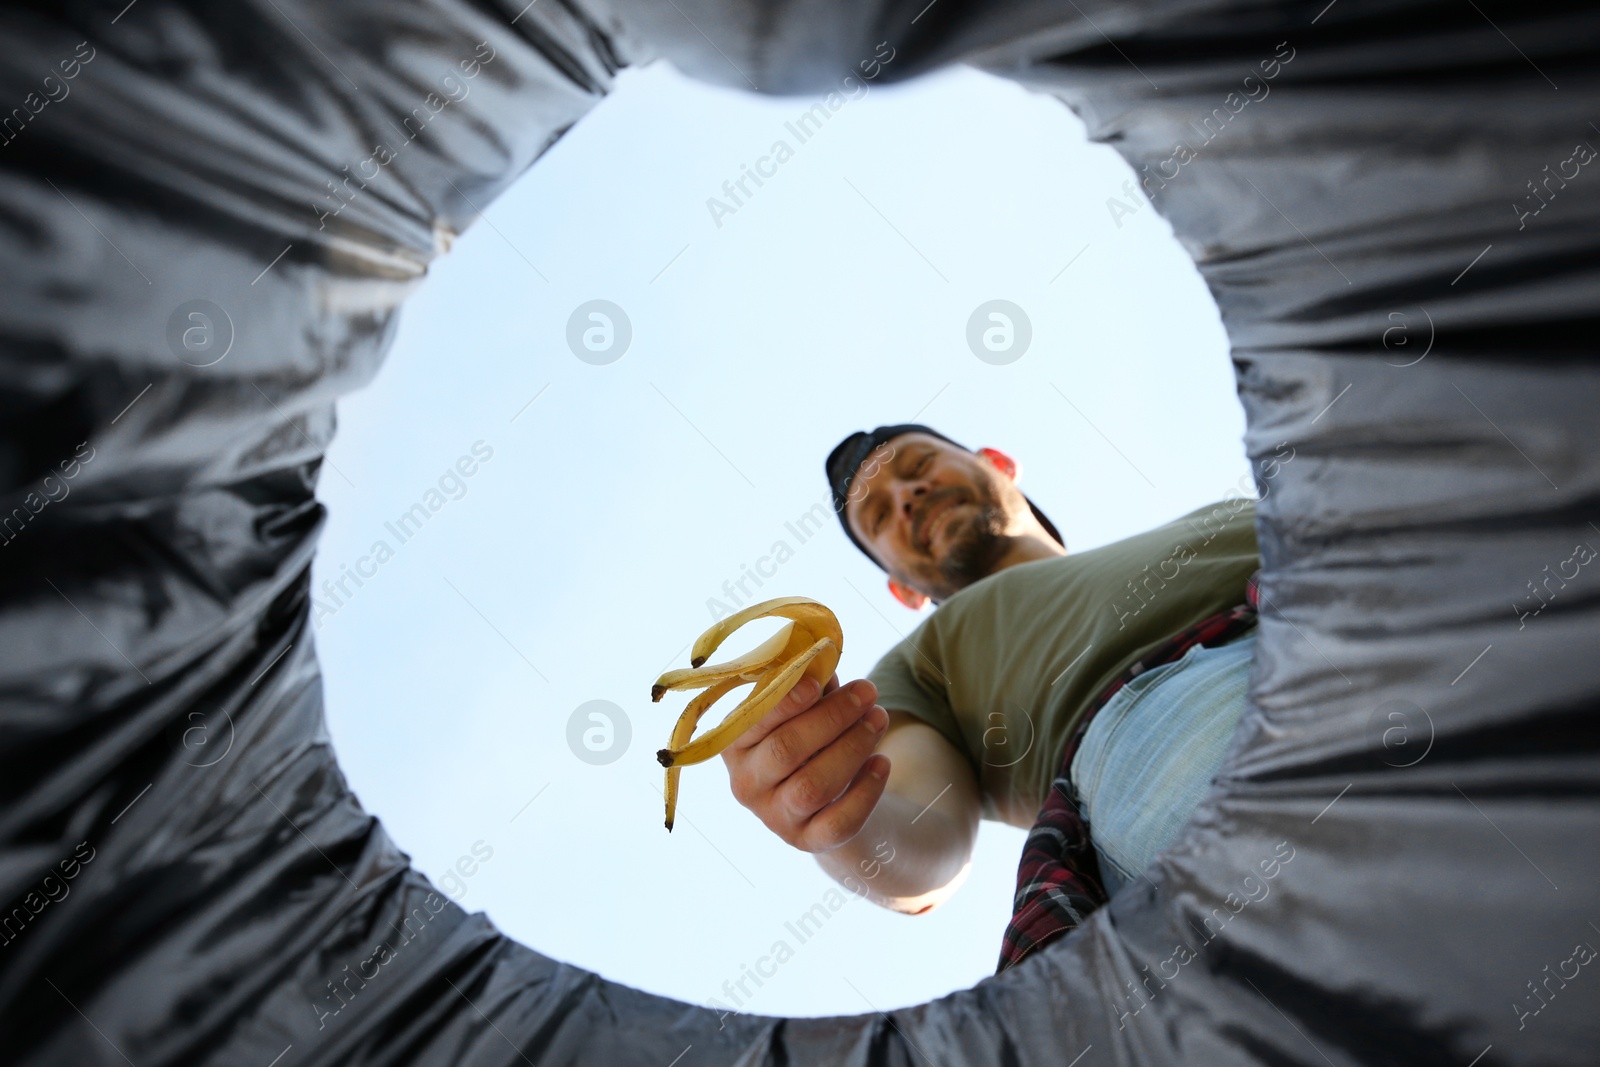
(628, 493)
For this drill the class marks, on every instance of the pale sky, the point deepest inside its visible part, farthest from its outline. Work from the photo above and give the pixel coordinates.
(576, 561)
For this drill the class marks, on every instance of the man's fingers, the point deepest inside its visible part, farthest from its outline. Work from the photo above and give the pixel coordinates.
(844, 818)
(798, 739)
(803, 696)
(796, 700)
(804, 736)
(822, 780)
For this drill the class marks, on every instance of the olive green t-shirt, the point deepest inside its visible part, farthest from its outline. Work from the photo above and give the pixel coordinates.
(1006, 667)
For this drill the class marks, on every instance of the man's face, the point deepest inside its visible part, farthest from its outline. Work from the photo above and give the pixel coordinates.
(936, 516)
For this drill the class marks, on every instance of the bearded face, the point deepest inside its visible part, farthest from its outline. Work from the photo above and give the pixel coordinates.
(935, 515)
(973, 546)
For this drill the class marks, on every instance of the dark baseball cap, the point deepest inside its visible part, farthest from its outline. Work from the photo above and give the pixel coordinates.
(848, 455)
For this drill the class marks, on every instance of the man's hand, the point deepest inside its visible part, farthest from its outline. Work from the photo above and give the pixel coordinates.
(807, 769)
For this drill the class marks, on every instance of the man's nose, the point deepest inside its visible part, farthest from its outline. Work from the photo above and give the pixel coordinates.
(909, 492)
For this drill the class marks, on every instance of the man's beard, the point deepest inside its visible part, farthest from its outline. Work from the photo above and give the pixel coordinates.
(975, 549)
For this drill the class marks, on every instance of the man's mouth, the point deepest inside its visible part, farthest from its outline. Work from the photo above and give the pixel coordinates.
(932, 512)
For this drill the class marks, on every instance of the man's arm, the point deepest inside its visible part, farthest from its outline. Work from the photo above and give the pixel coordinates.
(915, 848)
(884, 801)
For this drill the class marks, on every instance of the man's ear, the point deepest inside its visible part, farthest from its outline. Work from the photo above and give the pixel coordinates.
(1002, 463)
(907, 595)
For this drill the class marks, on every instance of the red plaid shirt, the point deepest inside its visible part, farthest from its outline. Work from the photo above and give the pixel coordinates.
(1058, 879)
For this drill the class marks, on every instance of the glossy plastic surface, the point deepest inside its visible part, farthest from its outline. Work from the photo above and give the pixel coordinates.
(1400, 852)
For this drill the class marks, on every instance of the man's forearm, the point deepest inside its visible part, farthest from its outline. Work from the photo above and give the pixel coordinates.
(907, 858)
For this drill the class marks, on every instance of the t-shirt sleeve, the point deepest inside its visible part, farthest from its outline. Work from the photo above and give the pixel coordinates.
(908, 680)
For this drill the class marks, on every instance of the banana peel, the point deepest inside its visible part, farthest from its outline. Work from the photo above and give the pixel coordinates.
(807, 646)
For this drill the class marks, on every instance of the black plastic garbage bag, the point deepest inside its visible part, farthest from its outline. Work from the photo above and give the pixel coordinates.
(209, 215)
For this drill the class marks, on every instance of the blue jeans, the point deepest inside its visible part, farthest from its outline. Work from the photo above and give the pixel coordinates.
(1148, 757)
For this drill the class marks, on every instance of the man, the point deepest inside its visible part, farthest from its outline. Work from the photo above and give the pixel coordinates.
(1120, 670)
